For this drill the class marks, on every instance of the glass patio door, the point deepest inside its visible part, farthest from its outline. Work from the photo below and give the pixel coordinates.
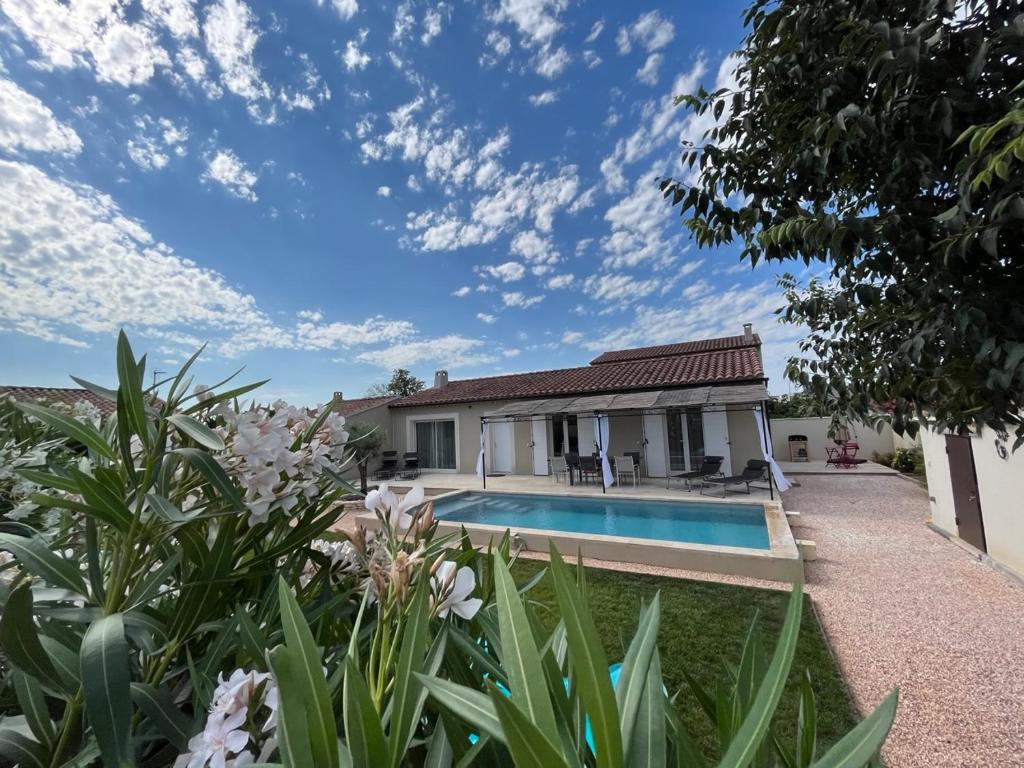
(685, 439)
(435, 444)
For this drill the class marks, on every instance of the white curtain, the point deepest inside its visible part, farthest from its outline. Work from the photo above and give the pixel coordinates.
(480, 456)
(606, 467)
(766, 450)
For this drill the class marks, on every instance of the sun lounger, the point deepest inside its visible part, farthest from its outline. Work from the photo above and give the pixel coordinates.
(752, 473)
(710, 465)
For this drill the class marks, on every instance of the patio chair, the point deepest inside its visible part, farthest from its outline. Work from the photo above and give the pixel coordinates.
(710, 465)
(572, 461)
(624, 467)
(411, 470)
(752, 473)
(636, 462)
(388, 465)
(844, 456)
(589, 468)
(558, 467)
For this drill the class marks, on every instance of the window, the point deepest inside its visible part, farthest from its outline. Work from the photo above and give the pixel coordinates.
(435, 444)
(695, 436)
(566, 435)
(685, 439)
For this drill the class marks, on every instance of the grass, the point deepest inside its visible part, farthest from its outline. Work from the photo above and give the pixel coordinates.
(702, 624)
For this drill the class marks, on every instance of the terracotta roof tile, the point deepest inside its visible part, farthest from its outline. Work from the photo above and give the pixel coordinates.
(687, 370)
(351, 407)
(671, 350)
(60, 395)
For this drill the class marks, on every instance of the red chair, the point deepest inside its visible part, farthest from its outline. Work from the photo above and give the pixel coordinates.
(845, 456)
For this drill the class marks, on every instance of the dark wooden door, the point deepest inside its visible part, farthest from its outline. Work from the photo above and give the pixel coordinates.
(966, 501)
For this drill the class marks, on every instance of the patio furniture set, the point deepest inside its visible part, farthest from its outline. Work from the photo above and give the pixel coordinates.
(389, 469)
(587, 468)
(709, 475)
(843, 455)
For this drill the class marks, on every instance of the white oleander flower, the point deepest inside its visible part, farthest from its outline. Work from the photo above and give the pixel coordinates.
(218, 739)
(452, 590)
(396, 508)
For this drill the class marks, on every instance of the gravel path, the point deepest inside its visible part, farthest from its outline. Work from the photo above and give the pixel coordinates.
(903, 606)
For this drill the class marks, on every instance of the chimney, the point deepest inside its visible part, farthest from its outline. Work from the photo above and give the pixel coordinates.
(440, 379)
(337, 396)
(748, 333)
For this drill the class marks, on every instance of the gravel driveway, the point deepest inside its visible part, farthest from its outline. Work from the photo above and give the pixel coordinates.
(903, 606)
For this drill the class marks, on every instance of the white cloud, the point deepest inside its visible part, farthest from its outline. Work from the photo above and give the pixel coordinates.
(432, 21)
(544, 98)
(156, 141)
(413, 183)
(648, 73)
(619, 288)
(463, 291)
(177, 15)
(650, 31)
(551, 63)
(572, 337)
(560, 281)
(591, 59)
(536, 20)
(231, 33)
(354, 58)
(534, 247)
(28, 124)
(384, 191)
(346, 9)
(225, 168)
(595, 31)
(483, 317)
(509, 272)
(519, 300)
(498, 47)
(452, 351)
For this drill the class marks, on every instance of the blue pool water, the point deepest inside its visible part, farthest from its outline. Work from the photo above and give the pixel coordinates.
(719, 524)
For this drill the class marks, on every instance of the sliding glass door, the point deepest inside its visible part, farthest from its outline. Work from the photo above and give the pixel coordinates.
(685, 439)
(435, 444)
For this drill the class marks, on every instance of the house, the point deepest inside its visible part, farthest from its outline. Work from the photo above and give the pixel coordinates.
(975, 487)
(67, 396)
(672, 404)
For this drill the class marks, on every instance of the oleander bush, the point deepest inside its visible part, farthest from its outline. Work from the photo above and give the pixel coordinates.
(172, 595)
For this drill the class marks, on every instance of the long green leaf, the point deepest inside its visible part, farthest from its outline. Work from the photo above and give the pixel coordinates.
(230, 394)
(363, 733)
(198, 431)
(214, 474)
(469, 705)
(81, 431)
(323, 731)
(520, 657)
(109, 505)
(169, 721)
(647, 746)
(33, 706)
(686, 753)
(861, 744)
(292, 733)
(439, 751)
(130, 389)
(806, 724)
(49, 480)
(404, 712)
(20, 641)
(21, 750)
(747, 740)
(589, 665)
(106, 681)
(529, 746)
(634, 673)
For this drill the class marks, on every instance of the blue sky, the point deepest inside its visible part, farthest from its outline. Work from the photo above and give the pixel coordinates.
(327, 190)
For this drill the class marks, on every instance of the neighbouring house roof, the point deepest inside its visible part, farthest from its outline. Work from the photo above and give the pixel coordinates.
(351, 407)
(695, 367)
(672, 350)
(60, 395)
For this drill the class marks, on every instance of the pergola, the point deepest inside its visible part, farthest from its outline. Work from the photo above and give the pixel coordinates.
(731, 397)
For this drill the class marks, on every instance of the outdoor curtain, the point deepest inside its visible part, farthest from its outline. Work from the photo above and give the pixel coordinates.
(766, 450)
(480, 456)
(606, 468)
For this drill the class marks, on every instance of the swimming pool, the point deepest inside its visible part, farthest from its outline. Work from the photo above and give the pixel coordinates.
(709, 523)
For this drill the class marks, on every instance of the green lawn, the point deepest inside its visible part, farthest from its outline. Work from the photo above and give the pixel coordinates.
(702, 623)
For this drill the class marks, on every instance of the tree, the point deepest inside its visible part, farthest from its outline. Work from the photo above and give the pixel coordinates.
(797, 405)
(402, 384)
(881, 142)
(364, 444)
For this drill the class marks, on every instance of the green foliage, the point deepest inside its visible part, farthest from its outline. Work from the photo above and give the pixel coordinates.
(402, 384)
(797, 405)
(881, 143)
(364, 444)
(906, 460)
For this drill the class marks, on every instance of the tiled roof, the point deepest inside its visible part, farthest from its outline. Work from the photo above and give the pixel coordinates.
(60, 395)
(723, 366)
(351, 407)
(671, 350)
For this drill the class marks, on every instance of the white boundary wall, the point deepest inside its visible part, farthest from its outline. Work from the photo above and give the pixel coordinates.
(1000, 474)
(816, 430)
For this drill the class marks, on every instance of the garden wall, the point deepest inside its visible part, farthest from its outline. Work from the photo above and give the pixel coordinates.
(816, 430)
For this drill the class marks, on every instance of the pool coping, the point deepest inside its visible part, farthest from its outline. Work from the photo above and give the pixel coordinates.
(780, 562)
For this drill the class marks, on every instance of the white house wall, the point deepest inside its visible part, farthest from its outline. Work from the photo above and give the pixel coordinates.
(1000, 487)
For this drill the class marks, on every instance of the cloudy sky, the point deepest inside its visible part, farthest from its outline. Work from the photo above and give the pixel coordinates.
(327, 190)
